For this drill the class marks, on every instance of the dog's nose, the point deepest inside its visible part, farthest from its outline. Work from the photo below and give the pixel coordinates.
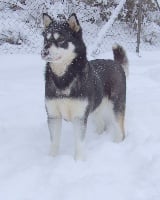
(44, 52)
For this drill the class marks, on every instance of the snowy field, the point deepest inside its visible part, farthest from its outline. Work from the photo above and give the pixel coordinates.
(126, 171)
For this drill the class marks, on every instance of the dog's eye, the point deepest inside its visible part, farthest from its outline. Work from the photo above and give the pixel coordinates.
(49, 35)
(61, 40)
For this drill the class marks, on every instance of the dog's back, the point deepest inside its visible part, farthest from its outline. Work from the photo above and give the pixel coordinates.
(112, 78)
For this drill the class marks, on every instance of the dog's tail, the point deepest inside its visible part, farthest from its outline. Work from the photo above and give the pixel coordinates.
(121, 57)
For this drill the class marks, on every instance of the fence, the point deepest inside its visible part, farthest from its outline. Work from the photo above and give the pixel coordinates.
(21, 26)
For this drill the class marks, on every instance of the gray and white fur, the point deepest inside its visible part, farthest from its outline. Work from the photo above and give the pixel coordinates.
(76, 87)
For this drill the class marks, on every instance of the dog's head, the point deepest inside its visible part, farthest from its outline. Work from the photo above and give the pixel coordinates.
(62, 40)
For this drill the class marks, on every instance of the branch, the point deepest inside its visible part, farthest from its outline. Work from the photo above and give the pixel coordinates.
(105, 28)
(17, 5)
(157, 4)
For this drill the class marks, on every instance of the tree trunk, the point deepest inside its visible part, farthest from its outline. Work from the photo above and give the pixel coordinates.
(139, 25)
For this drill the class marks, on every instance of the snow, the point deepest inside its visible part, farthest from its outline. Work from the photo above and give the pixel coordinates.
(124, 171)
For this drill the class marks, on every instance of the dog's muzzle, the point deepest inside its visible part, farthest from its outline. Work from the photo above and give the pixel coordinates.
(44, 53)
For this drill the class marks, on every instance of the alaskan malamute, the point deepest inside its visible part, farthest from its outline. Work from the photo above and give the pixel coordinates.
(76, 87)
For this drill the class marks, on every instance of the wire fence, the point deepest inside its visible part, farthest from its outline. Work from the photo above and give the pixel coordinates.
(21, 26)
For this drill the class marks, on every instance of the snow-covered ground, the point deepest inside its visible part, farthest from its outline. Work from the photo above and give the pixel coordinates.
(126, 171)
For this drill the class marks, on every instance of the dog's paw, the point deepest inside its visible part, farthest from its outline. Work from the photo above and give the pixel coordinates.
(99, 130)
(118, 138)
(79, 157)
(53, 151)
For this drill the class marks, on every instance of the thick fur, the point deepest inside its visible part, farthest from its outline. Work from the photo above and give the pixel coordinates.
(76, 87)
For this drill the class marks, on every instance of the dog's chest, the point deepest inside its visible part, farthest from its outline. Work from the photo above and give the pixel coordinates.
(66, 108)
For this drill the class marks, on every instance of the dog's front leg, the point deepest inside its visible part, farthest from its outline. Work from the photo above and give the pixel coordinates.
(79, 126)
(54, 125)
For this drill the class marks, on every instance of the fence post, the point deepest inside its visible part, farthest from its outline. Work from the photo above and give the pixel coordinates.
(157, 5)
(139, 25)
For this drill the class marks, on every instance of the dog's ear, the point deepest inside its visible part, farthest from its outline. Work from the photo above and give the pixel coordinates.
(47, 20)
(74, 23)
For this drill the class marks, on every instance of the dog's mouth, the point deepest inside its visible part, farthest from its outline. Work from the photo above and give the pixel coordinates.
(51, 59)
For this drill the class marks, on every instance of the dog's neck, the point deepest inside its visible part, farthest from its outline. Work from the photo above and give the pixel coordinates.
(76, 67)
(59, 69)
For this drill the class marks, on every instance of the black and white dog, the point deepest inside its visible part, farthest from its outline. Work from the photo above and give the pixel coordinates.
(76, 87)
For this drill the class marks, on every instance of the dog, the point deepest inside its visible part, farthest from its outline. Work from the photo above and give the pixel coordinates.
(76, 87)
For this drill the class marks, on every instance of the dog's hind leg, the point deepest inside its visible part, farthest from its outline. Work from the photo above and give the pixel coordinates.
(54, 125)
(100, 124)
(79, 126)
(120, 120)
(118, 127)
(115, 121)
